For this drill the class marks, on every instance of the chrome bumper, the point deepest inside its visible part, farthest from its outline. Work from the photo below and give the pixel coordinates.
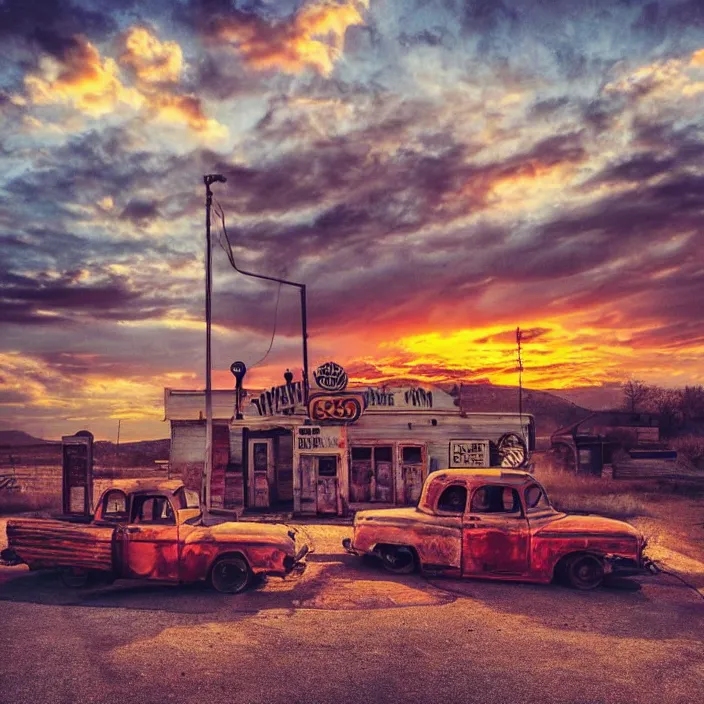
(347, 544)
(620, 567)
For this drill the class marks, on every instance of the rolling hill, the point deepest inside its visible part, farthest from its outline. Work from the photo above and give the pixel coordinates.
(550, 411)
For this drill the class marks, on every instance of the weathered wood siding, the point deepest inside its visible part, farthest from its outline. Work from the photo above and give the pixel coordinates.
(187, 455)
(415, 428)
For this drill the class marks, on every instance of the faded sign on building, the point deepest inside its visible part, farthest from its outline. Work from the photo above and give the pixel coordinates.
(469, 453)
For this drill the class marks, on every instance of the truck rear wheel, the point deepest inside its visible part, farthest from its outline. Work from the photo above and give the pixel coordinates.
(74, 577)
(397, 559)
(231, 575)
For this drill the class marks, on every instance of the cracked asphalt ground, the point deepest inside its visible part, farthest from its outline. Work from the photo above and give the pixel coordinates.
(345, 631)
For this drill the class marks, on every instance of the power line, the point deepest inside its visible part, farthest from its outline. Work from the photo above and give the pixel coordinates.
(230, 255)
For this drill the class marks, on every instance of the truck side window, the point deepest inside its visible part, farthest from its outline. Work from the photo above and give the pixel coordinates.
(453, 499)
(152, 510)
(495, 499)
(115, 506)
(535, 498)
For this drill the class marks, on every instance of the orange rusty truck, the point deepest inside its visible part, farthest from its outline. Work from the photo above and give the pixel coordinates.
(154, 530)
(497, 524)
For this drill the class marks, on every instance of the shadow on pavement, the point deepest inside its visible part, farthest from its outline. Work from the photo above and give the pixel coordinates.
(646, 607)
(330, 582)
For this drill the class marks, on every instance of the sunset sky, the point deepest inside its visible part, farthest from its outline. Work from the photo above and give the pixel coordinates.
(437, 172)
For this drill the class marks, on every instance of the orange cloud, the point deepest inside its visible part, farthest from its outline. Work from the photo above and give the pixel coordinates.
(312, 38)
(93, 85)
(81, 79)
(188, 109)
(151, 60)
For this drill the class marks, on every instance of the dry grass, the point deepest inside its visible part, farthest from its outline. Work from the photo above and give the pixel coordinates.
(692, 447)
(577, 493)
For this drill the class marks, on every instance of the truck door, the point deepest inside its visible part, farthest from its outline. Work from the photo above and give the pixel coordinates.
(495, 534)
(148, 544)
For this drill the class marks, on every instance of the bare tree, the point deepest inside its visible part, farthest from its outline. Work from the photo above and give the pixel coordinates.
(692, 403)
(634, 392)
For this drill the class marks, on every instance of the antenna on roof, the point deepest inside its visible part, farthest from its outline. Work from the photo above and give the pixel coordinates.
(519, 335)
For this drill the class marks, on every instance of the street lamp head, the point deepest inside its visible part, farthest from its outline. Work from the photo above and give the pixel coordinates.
(214, 178)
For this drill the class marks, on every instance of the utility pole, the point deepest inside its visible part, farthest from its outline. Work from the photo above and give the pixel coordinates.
(519, 334)
(117, 444)
(205, 498)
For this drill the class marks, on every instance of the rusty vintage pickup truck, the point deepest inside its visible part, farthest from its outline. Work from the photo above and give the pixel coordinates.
(154, 530)
(497, 524)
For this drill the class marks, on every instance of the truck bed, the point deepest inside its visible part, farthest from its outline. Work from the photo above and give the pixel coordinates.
(43, 543)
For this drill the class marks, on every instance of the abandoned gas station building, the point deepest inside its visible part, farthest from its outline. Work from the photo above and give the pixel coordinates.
(347, 448)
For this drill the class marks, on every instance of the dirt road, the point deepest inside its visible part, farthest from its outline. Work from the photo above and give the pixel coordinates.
(348, 632)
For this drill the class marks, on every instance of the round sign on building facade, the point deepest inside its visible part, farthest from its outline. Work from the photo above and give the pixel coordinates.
(330, 377)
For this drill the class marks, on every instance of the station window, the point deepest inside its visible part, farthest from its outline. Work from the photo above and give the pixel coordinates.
(383, 454)
(412, 455)
(361, 453)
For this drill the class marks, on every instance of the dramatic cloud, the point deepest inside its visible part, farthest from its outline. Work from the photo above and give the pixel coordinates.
(81, 78)
(437, 173)
(311, 38)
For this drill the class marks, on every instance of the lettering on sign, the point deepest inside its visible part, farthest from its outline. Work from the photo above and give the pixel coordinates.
(419, 397)
(310, 437)
(279, 399)
(317, 442)
(330, 377)
(374, 397)
(380, 398)
(469, 453)
(346, 408)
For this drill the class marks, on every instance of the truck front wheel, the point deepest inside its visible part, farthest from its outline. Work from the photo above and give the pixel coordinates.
(584, 571)
(231, 575)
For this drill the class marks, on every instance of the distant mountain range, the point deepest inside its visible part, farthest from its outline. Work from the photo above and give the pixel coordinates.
(19, 438)
(128, 454)
(550, 411)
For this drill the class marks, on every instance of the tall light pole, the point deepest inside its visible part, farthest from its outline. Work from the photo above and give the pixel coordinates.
(205, 498)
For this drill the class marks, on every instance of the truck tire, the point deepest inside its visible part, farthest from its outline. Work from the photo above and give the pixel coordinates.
(231, 574)
(584, 571)
(397, 559)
